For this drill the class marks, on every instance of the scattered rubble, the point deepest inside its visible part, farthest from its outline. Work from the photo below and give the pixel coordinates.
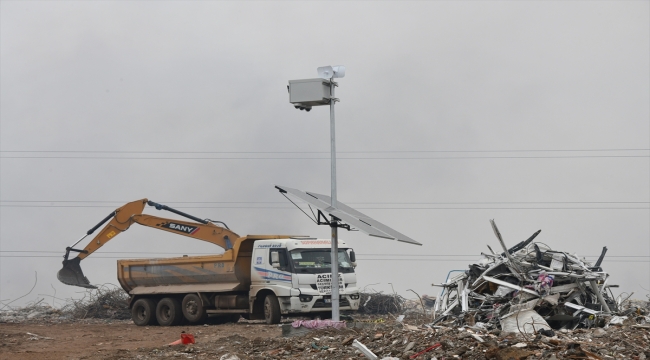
(411, 338)
(389, 340)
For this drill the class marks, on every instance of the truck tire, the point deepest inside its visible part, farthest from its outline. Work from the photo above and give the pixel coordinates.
(143, 312)
(272, 309)
(168, 312)
(193, 309)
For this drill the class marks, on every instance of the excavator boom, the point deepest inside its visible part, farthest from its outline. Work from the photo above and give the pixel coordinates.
(122, 218)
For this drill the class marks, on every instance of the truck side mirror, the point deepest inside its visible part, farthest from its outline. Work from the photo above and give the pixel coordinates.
(353, 258)
(275, 259)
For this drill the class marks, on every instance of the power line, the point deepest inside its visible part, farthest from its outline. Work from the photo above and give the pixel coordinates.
(373, 203)
(361, 208)
(388, 259)
(325, 158)
(358, 254)
(316, 152)
(589, 256)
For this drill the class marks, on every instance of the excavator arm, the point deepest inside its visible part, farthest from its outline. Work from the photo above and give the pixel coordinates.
(122, 218)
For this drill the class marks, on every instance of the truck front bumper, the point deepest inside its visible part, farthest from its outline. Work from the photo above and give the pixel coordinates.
(318, 303)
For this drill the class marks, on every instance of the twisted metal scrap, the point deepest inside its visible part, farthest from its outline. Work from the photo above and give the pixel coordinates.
(105, 302)
(379, 303)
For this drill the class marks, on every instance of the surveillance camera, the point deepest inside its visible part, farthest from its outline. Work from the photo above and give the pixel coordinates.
(308, 108)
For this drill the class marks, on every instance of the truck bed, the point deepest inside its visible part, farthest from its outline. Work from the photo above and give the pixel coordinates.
(185, 274)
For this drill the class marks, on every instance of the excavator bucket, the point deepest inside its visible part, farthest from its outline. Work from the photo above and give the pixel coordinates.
(71, 274)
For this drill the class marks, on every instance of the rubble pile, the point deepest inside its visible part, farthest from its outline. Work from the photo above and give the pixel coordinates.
(38, 311)
(101, 303)
(527, 288)
(380, 303)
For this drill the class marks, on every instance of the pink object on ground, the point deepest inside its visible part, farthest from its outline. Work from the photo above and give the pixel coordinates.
(318, 324)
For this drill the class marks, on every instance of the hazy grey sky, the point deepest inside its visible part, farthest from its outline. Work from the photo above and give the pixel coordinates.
(185, 103)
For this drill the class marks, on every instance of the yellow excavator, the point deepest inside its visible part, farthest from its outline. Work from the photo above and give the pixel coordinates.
(122, 218)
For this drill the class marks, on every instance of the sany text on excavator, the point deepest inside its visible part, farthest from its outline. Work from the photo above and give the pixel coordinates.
(258, 276)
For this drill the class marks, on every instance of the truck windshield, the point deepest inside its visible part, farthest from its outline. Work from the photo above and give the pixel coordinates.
(319, 261)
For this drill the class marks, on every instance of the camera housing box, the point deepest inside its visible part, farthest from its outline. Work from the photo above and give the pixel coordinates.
(310, 92)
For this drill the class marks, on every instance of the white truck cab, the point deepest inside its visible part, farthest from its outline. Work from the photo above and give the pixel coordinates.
(301, 279)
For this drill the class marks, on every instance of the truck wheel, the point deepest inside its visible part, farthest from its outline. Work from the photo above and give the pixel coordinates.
(143, 312)
(168, 312)
(271, 309)
(193, 309)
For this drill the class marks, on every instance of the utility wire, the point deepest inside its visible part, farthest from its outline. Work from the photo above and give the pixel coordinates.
(387, 259)
(324, 158)
(373, 203)
(360, 208)
(361, 254)
(315, 152)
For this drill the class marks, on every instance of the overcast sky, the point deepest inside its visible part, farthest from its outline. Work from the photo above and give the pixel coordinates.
(535, 114)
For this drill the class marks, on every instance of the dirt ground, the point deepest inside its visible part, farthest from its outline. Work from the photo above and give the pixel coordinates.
(386, 337)
(116, 339)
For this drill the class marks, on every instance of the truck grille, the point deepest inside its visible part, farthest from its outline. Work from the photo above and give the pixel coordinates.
(320, 303)
(313, 286)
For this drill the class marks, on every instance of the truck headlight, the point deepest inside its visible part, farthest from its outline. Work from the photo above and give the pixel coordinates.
(354, 296)
(305, 298)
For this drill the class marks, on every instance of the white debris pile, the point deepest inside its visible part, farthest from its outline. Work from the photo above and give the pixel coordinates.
(531, 287)
(32, 312)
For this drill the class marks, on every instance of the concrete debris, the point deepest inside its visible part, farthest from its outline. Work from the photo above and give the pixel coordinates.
(530, 287)
(318, 324)
(526, 321)
(229, 357)
(33, 313)
(364, 350)
(33, 336)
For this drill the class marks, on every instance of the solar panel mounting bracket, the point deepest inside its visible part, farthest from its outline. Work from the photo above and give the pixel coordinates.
(335, 222)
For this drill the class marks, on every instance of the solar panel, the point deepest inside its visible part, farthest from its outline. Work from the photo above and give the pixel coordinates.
(349, 215)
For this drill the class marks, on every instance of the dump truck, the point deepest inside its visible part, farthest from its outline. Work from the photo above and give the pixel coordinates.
(259, 277)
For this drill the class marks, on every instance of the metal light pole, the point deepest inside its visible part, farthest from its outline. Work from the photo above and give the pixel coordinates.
(333, 221)
(304, 94)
